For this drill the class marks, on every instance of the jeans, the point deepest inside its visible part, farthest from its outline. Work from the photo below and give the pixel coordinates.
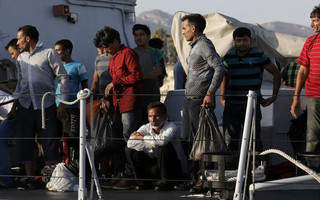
(130, 122)
(313, 125)
(6, 131)
(190, 122)
(233, 121)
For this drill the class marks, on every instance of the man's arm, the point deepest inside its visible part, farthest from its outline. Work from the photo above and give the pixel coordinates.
(223, 87)
(214, 61)
(301, 79)
(61, 73)
(276, 85)
(84, 84)
(95, 83)
(168, 133)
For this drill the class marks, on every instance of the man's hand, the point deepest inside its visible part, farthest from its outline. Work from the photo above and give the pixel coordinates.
(268, 101)
(294, 106)
(209, 101)
(223, 100)
(157, 71)
(136, 135)
(104, 104)
(108, 89)
(61, 111)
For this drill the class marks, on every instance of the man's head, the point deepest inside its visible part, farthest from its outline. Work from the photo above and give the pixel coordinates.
(108, 40)
(28, 37)
(157, 114)
(141, 35)
(193, 26)
(315, 19)
(64, 49)
(242, 39)
(12, 48)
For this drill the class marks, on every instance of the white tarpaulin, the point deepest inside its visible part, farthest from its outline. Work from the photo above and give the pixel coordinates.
(219, 30)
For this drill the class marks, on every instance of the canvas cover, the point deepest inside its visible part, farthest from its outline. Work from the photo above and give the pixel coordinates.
(219, 29)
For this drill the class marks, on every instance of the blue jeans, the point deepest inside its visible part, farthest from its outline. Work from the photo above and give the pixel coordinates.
(6, 131)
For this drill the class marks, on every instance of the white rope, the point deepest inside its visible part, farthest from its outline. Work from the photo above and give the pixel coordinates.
(296, 162)
(82, 94)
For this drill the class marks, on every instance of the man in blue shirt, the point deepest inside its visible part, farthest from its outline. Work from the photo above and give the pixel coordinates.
(77, 75)
(244, 72)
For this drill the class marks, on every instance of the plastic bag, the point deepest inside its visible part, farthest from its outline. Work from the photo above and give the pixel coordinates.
(103, 131)
(208, 137)
(62, 180)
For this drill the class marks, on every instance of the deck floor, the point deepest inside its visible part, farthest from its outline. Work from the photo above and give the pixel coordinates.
(108, 194)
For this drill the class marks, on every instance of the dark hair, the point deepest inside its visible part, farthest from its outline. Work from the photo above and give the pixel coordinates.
(13, 44)
(106, 36)
(315, 12)
(197, 20)
(143, 27)
(65, 44)
(156, 43)
(241, 32)
(158, 104)
(30, 31)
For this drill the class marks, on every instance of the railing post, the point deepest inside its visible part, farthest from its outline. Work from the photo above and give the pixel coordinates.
(244, 146)
(82, 191)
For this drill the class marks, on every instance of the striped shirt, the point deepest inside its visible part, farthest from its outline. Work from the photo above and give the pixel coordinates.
(310, 57)
(102, 68)
(205, 68)
(245, 73)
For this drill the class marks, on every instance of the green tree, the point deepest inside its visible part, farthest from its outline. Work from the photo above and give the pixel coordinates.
(170, 53)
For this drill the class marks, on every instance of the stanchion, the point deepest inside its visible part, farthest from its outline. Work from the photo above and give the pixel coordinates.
(82, 191)
(244, 146)
(84, 147)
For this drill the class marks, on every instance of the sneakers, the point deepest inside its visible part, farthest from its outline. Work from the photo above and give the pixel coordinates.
(145, 185)
(26, 184)
(162, 186)
(109, 184)
(125, 185)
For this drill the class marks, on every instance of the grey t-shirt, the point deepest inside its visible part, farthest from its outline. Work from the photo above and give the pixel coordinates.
(148, 86)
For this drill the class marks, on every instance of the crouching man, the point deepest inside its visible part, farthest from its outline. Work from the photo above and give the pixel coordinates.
(155, 151)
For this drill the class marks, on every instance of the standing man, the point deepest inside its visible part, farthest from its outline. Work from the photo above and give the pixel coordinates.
(126, 75)
(77, 75)
(308, 75)
(244, 72)
(149, 60)
(37, 68)
(205, 73)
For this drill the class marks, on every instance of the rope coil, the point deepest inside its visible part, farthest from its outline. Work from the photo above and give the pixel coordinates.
(296, 162)
(81, 95)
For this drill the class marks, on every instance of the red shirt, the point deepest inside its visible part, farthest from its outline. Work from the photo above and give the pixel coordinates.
(310, 57)
(126, 75)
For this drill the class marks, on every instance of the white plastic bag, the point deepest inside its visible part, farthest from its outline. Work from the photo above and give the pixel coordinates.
(62, 180)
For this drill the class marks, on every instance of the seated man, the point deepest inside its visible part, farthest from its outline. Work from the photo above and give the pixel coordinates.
(154, 150)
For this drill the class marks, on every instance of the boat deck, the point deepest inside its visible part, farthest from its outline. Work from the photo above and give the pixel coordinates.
(109, 194)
